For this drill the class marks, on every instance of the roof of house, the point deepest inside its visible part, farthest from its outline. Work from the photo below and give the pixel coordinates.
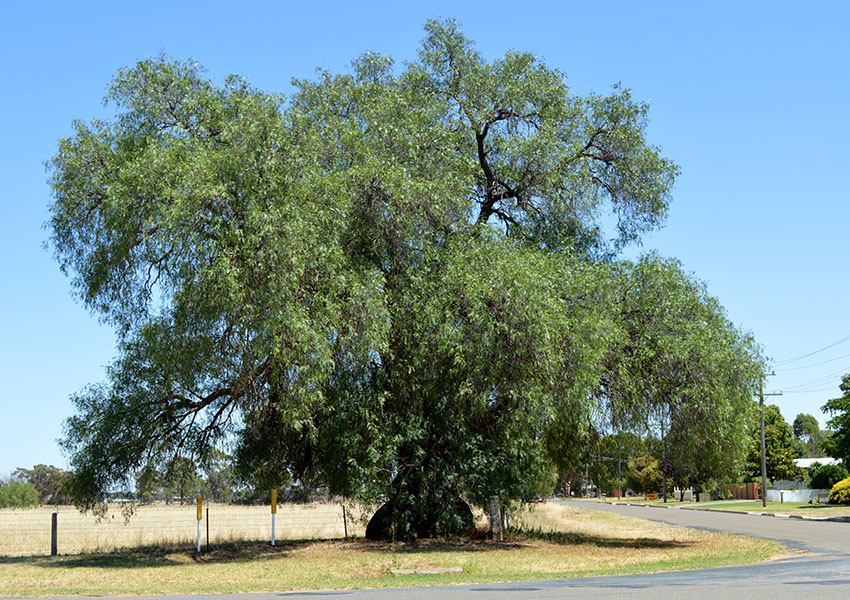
(805, 463)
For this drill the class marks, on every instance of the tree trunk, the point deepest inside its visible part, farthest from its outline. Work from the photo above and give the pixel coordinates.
(619, 476)
(598, 468)
(664, 459)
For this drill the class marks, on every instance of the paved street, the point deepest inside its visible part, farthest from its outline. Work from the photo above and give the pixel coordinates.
(823, 570)
(821, 537)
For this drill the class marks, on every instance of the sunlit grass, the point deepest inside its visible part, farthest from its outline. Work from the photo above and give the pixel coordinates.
(792, 508)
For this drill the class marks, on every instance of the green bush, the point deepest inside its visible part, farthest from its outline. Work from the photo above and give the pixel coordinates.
(827, 476)
(840, 493)
(18, 495)
(644, 474)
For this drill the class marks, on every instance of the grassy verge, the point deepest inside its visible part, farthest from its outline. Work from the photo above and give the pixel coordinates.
(641, 500)
(555, 542)
(792, 508)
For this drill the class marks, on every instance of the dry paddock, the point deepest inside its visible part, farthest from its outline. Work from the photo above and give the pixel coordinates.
(27, 532)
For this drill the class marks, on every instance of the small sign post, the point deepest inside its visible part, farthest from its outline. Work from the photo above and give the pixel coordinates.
(274, 511)
(200, 516)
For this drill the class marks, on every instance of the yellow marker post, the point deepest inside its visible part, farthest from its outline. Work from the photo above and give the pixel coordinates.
(274, 511)
(200, 516)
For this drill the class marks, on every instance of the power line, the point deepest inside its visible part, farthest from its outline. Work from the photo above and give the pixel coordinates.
(819, 380)
(801, 357)
(814, 364)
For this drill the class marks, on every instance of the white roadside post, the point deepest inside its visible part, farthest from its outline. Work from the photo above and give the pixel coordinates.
(274, 511)
(200, 516)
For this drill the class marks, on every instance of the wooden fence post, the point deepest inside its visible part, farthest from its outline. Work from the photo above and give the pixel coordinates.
(54, 531)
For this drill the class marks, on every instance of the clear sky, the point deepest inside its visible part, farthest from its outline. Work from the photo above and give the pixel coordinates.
(749, 98)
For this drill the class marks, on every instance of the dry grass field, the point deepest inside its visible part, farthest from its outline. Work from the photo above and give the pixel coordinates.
(557, 541)
(26, 532)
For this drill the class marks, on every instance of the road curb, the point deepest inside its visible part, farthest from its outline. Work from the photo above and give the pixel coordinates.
(640, 505)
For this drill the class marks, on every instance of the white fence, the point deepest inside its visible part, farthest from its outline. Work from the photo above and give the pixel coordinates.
(794, 495)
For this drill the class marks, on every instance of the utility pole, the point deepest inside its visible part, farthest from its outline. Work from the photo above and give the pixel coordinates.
(763, 459)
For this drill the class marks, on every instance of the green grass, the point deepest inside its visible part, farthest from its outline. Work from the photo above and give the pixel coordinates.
(555, 542)
(794, 508)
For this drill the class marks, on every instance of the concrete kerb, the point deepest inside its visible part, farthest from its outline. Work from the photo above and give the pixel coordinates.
(641, 505)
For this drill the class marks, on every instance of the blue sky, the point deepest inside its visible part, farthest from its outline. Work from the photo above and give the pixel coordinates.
(750, 99)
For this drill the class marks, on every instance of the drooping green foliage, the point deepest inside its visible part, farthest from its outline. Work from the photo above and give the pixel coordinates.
(837, 444)
(387, 284)
(610, 453)
(682, 368)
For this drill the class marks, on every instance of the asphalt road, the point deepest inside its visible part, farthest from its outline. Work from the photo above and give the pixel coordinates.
(821, 571)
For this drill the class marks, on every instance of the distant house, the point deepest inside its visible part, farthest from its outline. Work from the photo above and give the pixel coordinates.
(805, 463)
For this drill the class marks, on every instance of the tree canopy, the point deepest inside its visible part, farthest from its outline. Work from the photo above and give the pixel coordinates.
(838, 444)
(49, 481)
(680, 368)
(397, 282)
(780, 450)
(17, 494)
(808, 433)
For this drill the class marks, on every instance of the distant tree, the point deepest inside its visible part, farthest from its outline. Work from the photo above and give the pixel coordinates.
(148, 485)
(49, 482)
(807, 431)
(838, 444)
(644, 474)
(619, 448)
(218, 477)
(181, 480)
(572, 452)
(17, 494)
(780, 449)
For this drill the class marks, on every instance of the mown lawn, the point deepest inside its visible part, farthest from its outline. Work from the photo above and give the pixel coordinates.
(793, 508)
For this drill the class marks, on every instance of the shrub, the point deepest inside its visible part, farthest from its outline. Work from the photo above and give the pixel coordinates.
(840, 493)
(16, 494)
(827, 476)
